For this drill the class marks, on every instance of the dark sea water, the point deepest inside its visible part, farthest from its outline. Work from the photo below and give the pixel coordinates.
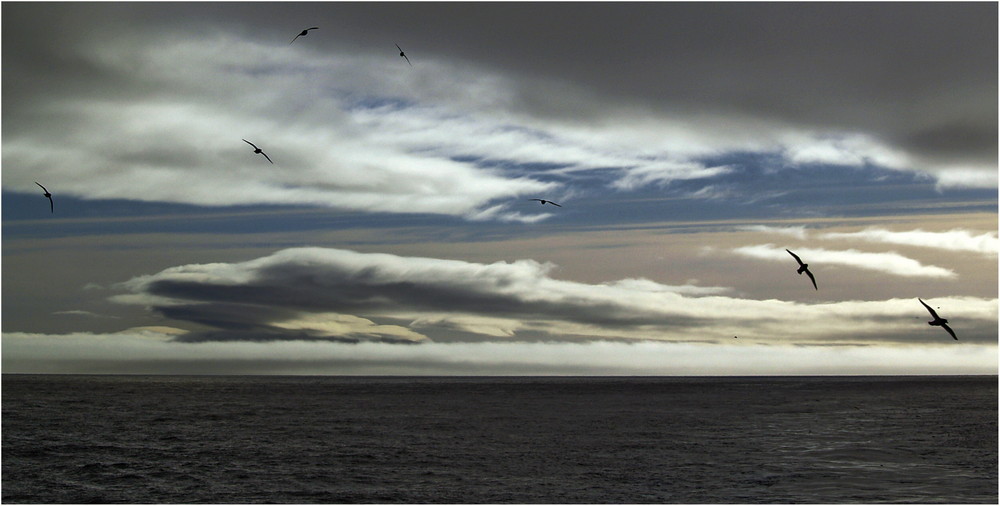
(188, 439)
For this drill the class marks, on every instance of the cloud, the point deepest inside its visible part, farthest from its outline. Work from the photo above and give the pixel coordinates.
(481, 120)
(80, 312)
(855, 150)
(957, 239)
(952, 240)
(333, 294)
(175, 122)
(148, 352)
(889, 263)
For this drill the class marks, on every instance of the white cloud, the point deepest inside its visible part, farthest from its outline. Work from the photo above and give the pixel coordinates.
(889, 263)
(952, 240)
(851, 149)
(964, 177)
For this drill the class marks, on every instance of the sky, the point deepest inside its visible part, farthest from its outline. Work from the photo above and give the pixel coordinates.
(688, 145)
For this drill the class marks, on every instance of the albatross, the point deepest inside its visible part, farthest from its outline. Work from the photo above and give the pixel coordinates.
(803, 268)
(401, 53)
(938, 321)
(257, 150)
(305, 32)
(48, 195)
(543, 202)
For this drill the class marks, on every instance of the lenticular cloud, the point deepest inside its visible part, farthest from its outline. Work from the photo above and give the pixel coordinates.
(340, 295)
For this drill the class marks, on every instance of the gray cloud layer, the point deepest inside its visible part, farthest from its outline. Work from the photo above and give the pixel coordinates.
(134, 100)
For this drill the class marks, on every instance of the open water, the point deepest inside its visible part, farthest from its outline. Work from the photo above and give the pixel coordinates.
(188, 439)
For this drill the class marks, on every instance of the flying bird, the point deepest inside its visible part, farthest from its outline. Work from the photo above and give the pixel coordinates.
(938, 321)
(48, 195)
(401, 53)
(546, 202)
(803, 268)
(305, 32)
(257, 150)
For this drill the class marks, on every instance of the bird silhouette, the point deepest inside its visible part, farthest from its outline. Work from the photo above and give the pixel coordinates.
(257, 150)
(938, 321)
(401, 53)
(803, 268)
(543, 202)
(48, 195)
(303, 33)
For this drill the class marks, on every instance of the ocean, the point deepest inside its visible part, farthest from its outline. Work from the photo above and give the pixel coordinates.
(280, 439)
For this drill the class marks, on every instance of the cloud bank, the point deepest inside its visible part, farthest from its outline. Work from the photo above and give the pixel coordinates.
(334, 294)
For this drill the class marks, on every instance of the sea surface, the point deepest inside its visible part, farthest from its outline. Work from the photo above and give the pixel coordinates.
(254, 439)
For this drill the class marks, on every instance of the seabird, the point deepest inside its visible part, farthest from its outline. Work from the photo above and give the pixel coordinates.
(938, 321)
(803, 268)
(48, 195)
(401, 53)
(258, 150)
(546, 202)
(304, 33)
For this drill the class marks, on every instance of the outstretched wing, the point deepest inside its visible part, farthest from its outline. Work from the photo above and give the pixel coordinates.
(553, 203)
(811, 278)
(952, 332)
(796, 257)
(250, 143)
(399, 48)
(40, 184)
(297, 36)
(265, 156)
(313, 28)
(935, 315)
(407, 60)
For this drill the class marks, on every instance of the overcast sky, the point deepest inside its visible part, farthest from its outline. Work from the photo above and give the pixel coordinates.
(689, 145)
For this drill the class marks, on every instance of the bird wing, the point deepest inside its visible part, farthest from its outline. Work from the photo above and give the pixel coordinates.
(952, 332)
(313, 28)
(265, 156)
(297, 36)
(250, 143)
(797, 259)
(935, 315)
(407, 60)
(553, 203)
(813, 279)
(52, 209)
(399, 48)
(40, 184)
